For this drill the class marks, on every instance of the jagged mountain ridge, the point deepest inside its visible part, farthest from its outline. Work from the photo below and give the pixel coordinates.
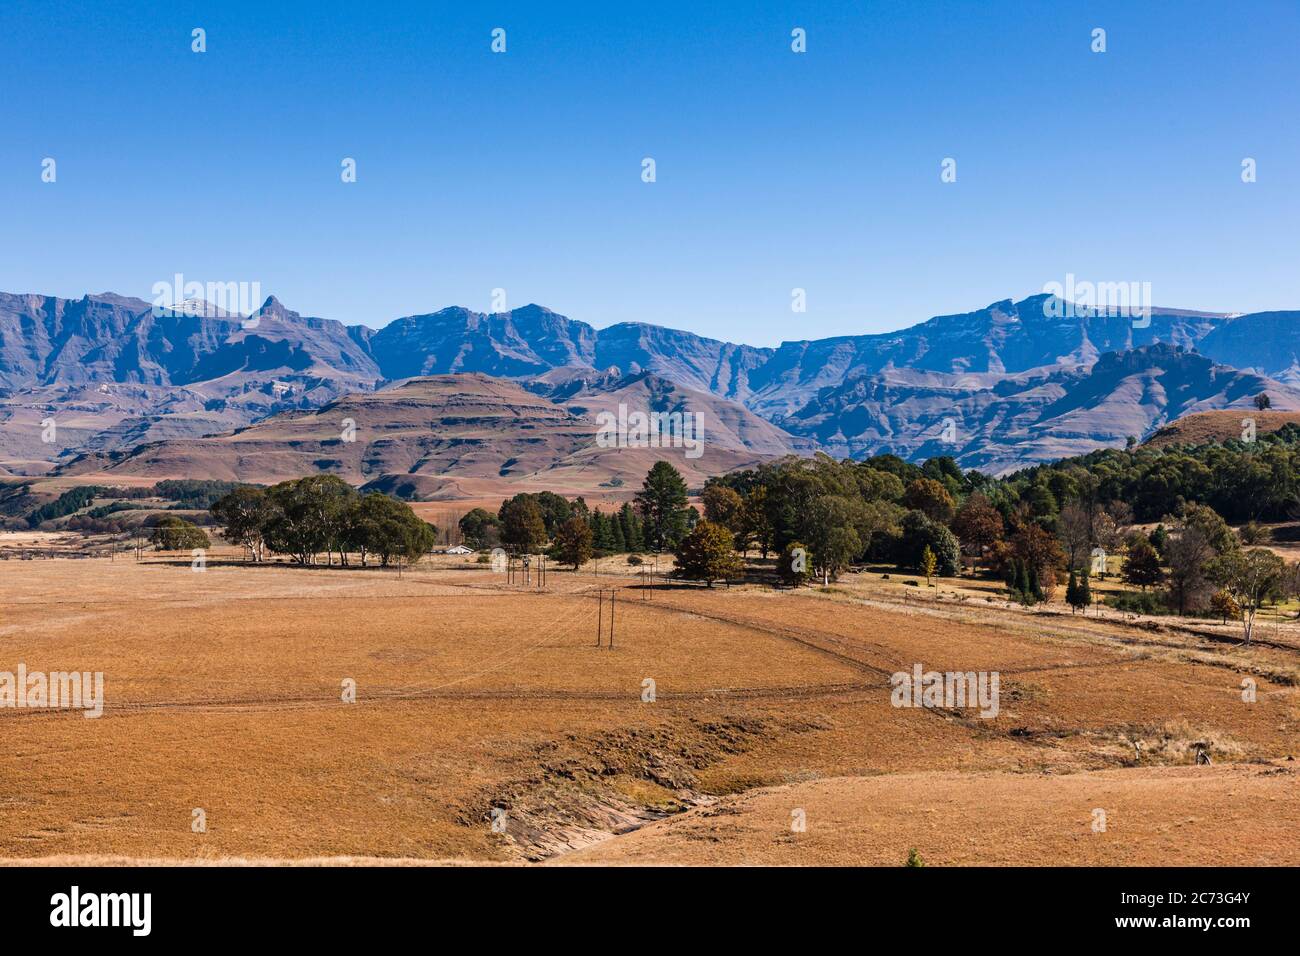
(998, 424)
(240, 370)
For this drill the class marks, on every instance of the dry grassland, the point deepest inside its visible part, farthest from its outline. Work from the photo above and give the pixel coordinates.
(224, 693)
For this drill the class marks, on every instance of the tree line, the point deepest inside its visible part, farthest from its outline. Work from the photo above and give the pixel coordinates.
(306, 517)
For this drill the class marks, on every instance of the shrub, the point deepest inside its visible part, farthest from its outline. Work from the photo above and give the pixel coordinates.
(1138, 602)
(176, 534)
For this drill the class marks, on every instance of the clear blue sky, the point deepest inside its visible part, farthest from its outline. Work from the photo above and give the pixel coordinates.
(775, 170)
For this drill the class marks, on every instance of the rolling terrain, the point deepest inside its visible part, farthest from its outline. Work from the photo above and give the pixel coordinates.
(462, 435)
(1019, 383)
(223, 694)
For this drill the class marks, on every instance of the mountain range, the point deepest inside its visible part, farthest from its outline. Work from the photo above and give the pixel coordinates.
(132, 388)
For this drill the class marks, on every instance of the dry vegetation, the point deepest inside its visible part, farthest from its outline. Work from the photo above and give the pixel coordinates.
(223, 693)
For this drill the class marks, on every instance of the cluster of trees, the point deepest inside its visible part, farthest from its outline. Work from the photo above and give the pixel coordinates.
(1034, 529)
(322, 513)
(1241, 480)
(1198, 564)
(185, 494)
(830, 515)
(572, 532)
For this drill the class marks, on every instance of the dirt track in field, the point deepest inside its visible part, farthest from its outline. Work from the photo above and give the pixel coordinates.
(224, 694)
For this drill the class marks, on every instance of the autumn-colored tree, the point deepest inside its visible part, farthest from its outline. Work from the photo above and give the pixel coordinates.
(573, 543)
(723, 506)
(1225, 605)
(931, 498)
(706, 554)
(978, 526)
(928, 563)
(1041, 554)
(1142, 565)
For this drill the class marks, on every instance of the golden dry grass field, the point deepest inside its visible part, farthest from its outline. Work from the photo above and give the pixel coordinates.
(224, 694)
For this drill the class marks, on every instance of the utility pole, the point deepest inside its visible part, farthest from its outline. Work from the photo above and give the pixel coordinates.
(600, 615)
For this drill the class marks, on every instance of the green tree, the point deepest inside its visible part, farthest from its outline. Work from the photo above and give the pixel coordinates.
(309, 516)
(573, 542)
(918, 533)
(479, 528)
(1252, 578)
(829, 526)
(662, 504)
(601, 532)
(1078, 594)
(173, 533)
(555, 510)
(631, 528)
(387, 528)
(705, 554)
(522, 525)
(244, 515)
(792, 565)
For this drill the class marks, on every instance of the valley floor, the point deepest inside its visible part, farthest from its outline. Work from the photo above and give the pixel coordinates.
(488, 726)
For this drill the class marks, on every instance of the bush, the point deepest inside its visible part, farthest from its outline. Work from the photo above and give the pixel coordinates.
(792, 565)
(176, 534)
(1138, 602)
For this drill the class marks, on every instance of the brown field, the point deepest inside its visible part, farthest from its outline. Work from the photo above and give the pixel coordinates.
(1221, 425)
(224, 694)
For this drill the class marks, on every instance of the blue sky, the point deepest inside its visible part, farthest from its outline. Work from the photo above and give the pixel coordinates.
(775, 170)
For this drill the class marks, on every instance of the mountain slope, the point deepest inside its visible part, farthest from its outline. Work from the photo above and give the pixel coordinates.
(471, 431)
(999, 423)
(1268, 342)
(853, 394)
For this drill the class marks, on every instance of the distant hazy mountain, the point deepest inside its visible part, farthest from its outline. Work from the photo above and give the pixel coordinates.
(1016, 377)
(1268, 342)
(998, 423)
(45, 340)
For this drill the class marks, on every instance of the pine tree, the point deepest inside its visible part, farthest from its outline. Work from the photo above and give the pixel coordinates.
(631, 529)
(617, 543)
(1085, 591)
(1022, 581)
(600, 533)
(1035, 589)
(1072, 593)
